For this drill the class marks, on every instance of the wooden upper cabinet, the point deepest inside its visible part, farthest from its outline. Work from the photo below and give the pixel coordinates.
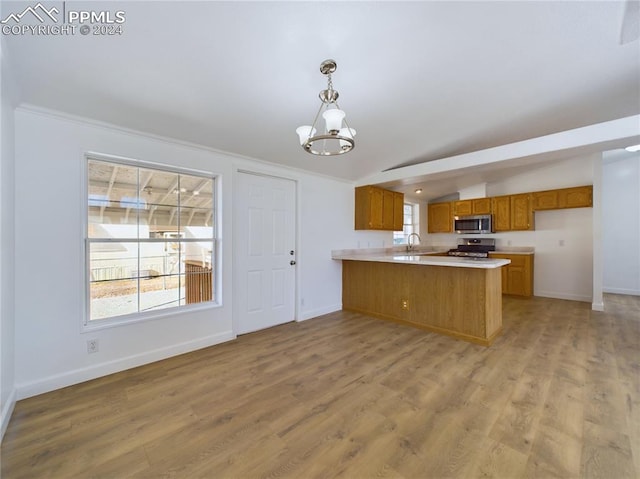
(512, 212)
(398, 211)
(578, 197)
(477, 206)
(521, 212)
(377, 209)
(481, 206)
(501, 209)
(462, 207)
(387, 212)
(440, 219)
(544, 200)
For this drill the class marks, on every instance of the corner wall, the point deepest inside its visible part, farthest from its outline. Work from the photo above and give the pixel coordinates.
(7, 244)
(621, 227)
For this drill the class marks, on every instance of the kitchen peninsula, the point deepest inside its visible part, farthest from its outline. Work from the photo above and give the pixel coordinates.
(459, 297)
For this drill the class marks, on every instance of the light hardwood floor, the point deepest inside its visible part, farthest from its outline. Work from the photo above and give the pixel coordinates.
(344, 395)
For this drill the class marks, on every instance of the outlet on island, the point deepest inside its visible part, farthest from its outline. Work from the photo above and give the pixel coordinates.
(405, 304)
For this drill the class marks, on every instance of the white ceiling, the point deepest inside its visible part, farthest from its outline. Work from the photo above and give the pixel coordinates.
(419, 81)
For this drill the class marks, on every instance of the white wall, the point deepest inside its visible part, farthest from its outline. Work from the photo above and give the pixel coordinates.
(327, 224)
(621, 227)
(50, 346)
(7, 311)
(562, 239)
(51, 349)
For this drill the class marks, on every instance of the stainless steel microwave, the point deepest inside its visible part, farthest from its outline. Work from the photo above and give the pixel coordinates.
(473, 224)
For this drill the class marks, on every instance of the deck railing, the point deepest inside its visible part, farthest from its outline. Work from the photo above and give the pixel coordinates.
(198, 282)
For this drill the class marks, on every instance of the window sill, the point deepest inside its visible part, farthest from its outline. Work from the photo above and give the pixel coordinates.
(136, 318)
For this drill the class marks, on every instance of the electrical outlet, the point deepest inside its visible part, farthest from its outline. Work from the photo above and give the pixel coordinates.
(405, 304)
(92, 346)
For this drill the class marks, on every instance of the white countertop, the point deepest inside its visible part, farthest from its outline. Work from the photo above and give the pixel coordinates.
(426, 260)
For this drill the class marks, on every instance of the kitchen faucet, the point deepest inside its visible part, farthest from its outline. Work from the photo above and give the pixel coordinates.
(410, 245)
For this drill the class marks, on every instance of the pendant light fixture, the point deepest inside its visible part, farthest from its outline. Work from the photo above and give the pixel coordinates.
(335, 139)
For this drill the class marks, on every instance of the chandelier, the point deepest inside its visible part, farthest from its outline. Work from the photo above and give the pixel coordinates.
(334, 139)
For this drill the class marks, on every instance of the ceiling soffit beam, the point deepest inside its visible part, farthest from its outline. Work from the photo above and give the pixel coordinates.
(622, 132)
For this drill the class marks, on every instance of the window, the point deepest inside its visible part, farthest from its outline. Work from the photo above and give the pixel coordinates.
(151, 240)
(410, 224)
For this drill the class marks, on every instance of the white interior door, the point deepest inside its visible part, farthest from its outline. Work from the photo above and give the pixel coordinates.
(265, 252)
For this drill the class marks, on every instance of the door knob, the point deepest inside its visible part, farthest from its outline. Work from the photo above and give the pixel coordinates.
(292, 263)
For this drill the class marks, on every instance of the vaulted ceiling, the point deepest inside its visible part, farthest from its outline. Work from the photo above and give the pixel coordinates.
(419, 81)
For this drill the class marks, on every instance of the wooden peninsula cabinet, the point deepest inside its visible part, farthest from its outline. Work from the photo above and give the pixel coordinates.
(378, 209)
(456, 297)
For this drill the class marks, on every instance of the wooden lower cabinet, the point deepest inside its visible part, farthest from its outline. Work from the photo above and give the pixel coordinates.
(517, 277)
(461, 302)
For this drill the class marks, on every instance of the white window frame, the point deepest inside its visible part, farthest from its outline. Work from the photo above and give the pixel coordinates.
(415, 217)
(133, 318)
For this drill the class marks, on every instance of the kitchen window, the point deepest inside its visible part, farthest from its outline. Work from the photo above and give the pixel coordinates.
(150, 239)
(409, 223)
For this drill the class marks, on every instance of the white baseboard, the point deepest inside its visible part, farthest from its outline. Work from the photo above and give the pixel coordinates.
(319, 312)
(597, 306)
(76, 376)
(630, 292)
(7, 410)
(568, 296)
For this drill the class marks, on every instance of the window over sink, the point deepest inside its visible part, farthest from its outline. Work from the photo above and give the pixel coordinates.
(410, 223)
